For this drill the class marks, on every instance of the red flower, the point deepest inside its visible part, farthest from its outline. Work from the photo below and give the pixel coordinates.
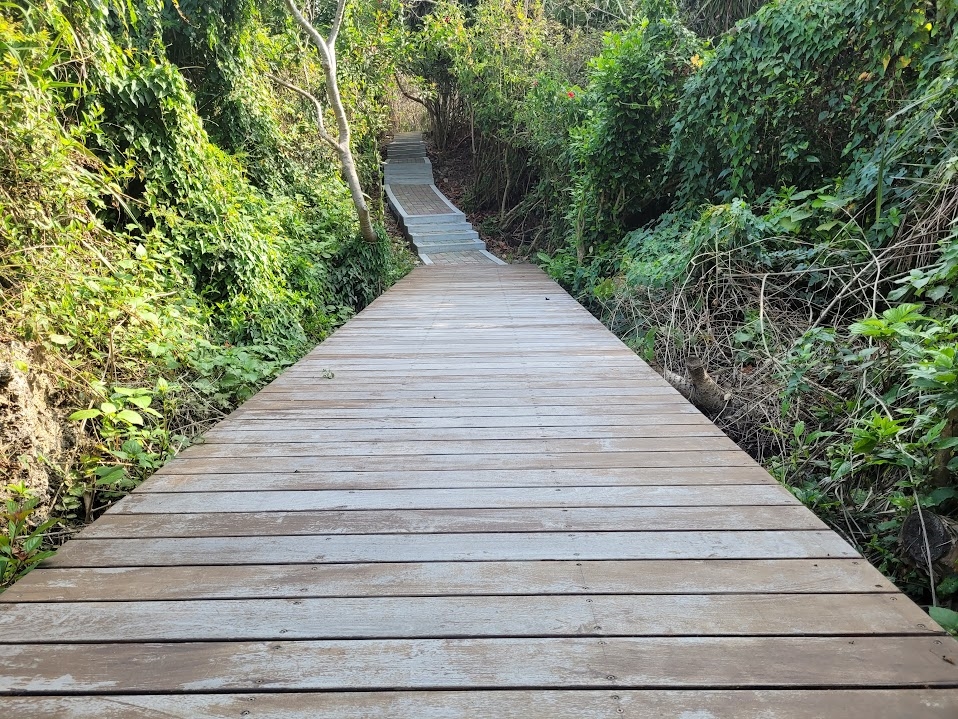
(571, 94)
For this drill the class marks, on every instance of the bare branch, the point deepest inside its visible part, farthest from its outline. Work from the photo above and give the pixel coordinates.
(323, 133)
(337, 23)
(406, 93)
(318, 40)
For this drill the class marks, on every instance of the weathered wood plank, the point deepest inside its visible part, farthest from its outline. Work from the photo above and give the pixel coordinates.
(530, 413)
(433, 521)
(476, 339)
(465, 403)
(462, 448)
(729, 662)
(252, 432)
(558, 366)
(509, 704)
(417, 389)
(474, 498)
(174, 479)
(409, 355)
(277, 581)
(438, 462)
(467, 547)
(450, 617)
(504, 396)
(378, 375)
(478, 427)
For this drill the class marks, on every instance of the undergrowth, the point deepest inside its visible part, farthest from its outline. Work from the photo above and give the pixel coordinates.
(771, 189)
(172, 233)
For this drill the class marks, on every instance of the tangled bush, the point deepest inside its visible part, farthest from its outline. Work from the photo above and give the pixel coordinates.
(782, 206)
(171, 233)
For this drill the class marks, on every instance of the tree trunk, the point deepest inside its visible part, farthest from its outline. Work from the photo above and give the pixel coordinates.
(341, 143)
(346, 153)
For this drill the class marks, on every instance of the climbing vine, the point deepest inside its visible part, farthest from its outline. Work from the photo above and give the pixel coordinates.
(767, 188)
(171, 235)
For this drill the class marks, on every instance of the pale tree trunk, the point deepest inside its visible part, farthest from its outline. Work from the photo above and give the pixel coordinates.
(341, 142)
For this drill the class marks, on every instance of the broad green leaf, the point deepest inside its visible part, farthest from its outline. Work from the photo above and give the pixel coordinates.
(947, 618)
(948, 586)
(128, 415)
(936, 293)
(32, 544)
(905, 312)
(85, 414)
(939, 495)
(115, 475)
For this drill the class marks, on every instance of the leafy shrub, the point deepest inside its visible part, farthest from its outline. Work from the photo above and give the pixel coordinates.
(620, 149)
(21, 544)
(799, 87)
(172, 235)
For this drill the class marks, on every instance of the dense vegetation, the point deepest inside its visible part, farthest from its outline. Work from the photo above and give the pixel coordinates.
(772, 189)
(172, 232)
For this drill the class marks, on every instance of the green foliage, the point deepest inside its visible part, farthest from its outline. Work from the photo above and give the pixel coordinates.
(131, 442)
(21, 544)
(172, 232)
(796, 92)
(621, 147)
(605, 14)
(947, 618)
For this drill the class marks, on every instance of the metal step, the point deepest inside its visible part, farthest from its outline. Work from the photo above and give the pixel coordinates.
(432, 248)
(443, 236)
(438, 228)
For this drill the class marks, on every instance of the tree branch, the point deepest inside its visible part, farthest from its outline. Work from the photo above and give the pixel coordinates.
(337, 23)
(313, 33)
(323, 133)
(407, 94)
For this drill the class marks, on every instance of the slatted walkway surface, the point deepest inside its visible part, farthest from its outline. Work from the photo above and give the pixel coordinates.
(471, 501)
(438, 229)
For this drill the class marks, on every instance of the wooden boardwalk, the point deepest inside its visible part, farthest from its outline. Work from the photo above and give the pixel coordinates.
(471, 501)
(437, 228)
